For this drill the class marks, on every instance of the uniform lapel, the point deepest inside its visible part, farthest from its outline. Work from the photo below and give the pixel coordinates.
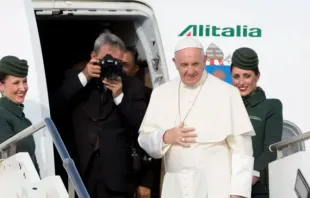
(12, 107)
(255, 98)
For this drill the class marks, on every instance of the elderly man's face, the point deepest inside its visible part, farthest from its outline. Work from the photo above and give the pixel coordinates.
(106, 49)
(190, 63)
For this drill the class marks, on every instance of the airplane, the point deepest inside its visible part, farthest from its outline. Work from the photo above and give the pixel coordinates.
(53, 35)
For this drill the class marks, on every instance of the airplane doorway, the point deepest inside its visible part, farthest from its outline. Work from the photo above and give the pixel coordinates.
(67, 36)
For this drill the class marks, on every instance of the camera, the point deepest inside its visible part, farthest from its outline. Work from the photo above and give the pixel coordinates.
(139, 157)
(111, 67)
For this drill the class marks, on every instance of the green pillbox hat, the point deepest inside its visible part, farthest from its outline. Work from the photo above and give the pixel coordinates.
(14, 66)
(245, 58)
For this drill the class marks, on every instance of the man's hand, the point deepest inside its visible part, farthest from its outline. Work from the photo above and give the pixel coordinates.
(143, 192)
(92, 70)
(116, 86)
(254, 180)
(236, 196)
(180, 135)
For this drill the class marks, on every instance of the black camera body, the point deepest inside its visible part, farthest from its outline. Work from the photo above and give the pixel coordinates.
(139, 157)
(111, 67)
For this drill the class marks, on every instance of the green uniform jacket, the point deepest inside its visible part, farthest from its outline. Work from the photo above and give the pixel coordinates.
(267, 120)
(13, 121)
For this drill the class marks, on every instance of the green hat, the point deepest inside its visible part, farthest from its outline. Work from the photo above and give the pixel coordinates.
(245, 58)
(14, 66)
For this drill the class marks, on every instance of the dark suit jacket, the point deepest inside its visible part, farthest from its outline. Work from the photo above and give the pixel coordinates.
(149, 175)
(13, 121)
(267, 120)
(96, 117)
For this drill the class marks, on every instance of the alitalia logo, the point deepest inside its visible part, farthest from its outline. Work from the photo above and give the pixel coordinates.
(217, 31)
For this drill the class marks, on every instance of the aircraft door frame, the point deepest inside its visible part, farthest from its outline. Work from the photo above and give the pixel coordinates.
(19, 37)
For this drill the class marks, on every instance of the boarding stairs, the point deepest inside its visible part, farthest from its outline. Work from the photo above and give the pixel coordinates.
(288, 175)
(19, 178)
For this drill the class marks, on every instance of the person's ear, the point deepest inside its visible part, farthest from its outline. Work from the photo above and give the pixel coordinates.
(257, 77)
(1, 87)
(93, 55)
(205, 59)
(173, 59)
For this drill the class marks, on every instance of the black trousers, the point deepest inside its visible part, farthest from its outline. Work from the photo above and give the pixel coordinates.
(260, 196)
(95, 185)
(259, 190)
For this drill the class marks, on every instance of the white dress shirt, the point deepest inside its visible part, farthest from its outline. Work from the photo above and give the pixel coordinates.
(84, 82)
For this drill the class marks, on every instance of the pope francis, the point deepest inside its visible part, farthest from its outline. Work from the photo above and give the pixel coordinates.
(199, 126)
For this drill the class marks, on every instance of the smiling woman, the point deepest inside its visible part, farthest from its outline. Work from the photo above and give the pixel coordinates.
(265, 115)
(13, 88)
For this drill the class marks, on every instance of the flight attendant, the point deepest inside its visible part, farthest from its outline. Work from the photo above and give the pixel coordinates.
(265, 115)
(13, 89)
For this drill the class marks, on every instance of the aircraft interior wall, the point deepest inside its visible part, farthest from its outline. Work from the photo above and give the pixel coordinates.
(68, 42)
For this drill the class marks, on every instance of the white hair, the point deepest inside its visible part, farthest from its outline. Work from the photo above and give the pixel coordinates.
(110, 39)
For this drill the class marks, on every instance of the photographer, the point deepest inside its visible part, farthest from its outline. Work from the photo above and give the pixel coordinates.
(106, 106)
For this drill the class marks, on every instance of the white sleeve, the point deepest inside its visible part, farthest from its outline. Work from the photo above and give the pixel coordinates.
(83, 79)
(256, 173)
(152, 142)
(151, 131)
(242, 165)
(118, 99)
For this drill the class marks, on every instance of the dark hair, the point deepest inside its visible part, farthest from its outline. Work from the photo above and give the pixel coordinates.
(256, 70)
(3, 76)
(134, 53)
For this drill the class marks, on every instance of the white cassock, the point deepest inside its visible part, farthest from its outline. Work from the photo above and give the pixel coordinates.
(220, 164)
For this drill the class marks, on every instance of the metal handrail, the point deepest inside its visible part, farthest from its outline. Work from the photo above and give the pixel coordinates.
(68, 162)
(285, 143)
